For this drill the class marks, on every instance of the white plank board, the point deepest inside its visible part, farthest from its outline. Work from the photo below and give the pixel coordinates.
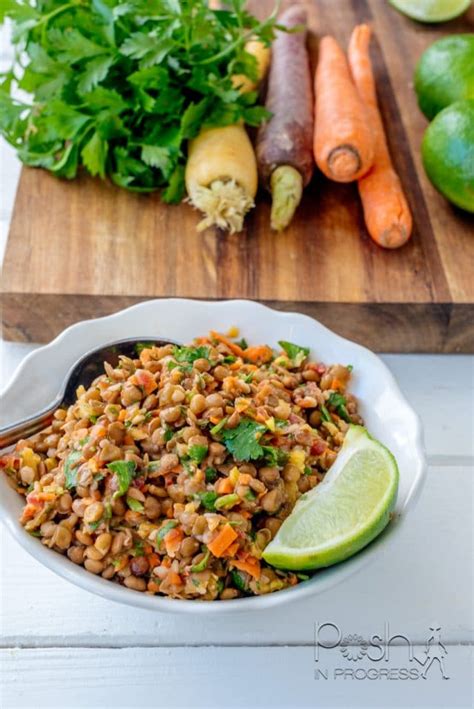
(441, 390)
(439, 387)
(230, 677)
(425, 577)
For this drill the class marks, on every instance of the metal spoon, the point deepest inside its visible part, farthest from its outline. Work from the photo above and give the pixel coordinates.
(84, 371)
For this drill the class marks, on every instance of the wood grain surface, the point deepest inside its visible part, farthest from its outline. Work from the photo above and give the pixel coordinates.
(86, 248)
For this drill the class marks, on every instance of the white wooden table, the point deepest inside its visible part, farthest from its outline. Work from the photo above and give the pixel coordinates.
(64, 648)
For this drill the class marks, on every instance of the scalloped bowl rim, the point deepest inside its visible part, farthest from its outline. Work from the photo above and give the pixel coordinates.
(235, 312)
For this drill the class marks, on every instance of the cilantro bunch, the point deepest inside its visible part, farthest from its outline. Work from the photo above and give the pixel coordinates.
(118, 87)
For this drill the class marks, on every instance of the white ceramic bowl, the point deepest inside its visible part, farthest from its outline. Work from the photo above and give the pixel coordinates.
(385, 411)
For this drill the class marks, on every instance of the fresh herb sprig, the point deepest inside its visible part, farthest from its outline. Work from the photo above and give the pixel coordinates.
(119, 87)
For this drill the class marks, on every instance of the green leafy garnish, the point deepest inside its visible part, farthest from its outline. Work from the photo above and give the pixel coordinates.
(349, 367)
(243, 441)
(197, 453)
(208, 499)
(275, 457)
(211, 475)
(250, 495)
(70, 473)
(93, 419)
(307, 470)
(118, 88)
(134, 504)
(125, 471)
(138, 548)
(237, 580)
(140, 346)
(339, 402)
(190, 354)
(296, 353)
(168, 434)
(243, 344)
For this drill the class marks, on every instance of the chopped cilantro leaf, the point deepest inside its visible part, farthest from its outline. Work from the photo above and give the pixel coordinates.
(295, 352)
(208, 500)
(70, 473)
(140, 346)
(125, 471)
(138, 548)
(243, 344)
(211, 475)
(168, 434)
(339, 402)
(275, 457)
(238, 580)
(197, 453)
(243, 440)
(190, 354)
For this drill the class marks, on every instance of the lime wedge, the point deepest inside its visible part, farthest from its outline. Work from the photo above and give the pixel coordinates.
(344, 512)
(431, 10)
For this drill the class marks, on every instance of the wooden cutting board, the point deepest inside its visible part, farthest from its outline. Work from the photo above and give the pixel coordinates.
(85, 248)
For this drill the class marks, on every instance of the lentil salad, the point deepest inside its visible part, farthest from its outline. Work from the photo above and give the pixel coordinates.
(172, 472)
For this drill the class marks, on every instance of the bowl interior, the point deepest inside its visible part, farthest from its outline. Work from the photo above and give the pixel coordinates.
(385, 411)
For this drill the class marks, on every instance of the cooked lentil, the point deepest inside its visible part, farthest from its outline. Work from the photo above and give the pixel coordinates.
(172, 472)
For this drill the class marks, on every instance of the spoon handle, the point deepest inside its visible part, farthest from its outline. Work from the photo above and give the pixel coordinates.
(23, 429)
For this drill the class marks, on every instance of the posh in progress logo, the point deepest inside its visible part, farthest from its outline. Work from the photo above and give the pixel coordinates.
(362, 658)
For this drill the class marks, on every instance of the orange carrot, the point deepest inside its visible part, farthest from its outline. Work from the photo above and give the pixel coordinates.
(386, 211)
(145, 379)
(259, 354)
(222, 540)
(231, 550)
(225, 341)
(153, 559)
(174, 578)
(224, 486)
(250, 566)
(343, 144)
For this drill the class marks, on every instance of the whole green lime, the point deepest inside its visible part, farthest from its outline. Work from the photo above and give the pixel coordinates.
(448, 153)
(445, 73)
(431, 10)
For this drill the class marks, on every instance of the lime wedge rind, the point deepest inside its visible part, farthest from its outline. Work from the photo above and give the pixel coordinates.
(431, 10)
(334, 503)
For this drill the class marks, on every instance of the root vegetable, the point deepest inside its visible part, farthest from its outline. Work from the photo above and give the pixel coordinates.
(343, 142)
(284, 144)
(386, 211)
